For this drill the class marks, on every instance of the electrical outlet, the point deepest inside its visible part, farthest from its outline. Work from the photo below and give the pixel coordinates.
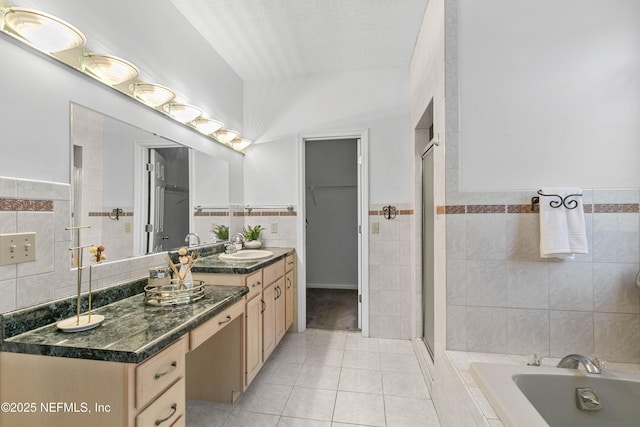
(16, 248)
(375, 228)
(127, 227)
(274, 226)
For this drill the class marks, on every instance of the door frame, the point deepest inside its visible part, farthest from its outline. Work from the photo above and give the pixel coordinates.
(363, 223)
(141, 192)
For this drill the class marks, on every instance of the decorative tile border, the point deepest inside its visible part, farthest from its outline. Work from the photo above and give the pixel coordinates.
(109, 213)
(484, 209)
(26, 205)
(196, 213)
(481, 209)
(266, 213)
(398, 212)
(617, 208)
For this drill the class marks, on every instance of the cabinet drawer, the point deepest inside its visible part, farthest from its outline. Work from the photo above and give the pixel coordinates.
(167, 409)
(159, 372)
(272, 272)
(254, 283)
(213, 325)
(289, 262)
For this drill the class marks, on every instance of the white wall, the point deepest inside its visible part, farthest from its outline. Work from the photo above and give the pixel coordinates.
(35, 105)
(276, 112)
(551, 86)
(37, 90)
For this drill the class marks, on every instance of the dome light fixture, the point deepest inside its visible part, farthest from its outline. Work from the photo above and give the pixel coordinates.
(152, 94)
(45, 32)
(110, 69)
(225, 135)
(183, 113)
(206, 126)
(240, 144)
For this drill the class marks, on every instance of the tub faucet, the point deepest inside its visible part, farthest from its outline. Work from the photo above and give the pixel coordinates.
(187, 238)
(572, 361)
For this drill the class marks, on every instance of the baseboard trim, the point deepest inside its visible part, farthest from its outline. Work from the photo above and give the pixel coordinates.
(331, 286)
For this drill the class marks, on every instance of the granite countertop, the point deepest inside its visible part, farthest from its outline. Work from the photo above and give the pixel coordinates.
(213, 264)
(131, 332)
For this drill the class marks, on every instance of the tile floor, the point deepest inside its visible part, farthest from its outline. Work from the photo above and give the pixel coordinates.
(325, 378)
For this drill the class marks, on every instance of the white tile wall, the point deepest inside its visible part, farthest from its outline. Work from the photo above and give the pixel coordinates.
(502, 297)
(286, 236)
(499, 287)
(392, 273)
(50, 276)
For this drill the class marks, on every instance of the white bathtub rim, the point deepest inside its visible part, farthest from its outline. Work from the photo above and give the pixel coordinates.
(496, 382)
(512, 406)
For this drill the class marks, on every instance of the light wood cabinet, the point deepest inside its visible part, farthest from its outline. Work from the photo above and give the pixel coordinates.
(289, 281)
(159, 372)
(121, 394)
(166, 409)
(215, 366)
(279, 309)
(269, 311)
(289, 290)
(273, 310)
(268, 321)
(253, 347)
(207, 363)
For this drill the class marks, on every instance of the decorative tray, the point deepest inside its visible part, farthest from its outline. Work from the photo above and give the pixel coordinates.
(176, 293)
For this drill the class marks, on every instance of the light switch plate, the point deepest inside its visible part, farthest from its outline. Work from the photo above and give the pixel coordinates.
(375, 228)
(17, 247)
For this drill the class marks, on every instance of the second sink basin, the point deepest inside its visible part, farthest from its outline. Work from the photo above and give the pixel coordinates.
(246, 255)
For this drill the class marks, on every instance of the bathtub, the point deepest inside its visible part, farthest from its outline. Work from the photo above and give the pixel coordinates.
(530, 396)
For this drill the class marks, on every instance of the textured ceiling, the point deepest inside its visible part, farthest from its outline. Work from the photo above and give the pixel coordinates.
(274, 39)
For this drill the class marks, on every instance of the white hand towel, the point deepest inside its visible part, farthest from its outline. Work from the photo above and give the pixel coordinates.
(562, 230)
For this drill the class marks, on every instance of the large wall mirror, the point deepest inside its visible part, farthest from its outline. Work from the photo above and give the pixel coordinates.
(140, 193)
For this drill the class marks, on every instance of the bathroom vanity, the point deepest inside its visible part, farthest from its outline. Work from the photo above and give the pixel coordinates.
(270, 303)
(140, 366)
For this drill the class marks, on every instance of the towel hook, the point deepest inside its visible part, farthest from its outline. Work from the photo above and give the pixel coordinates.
(389, 212)
(115, 214)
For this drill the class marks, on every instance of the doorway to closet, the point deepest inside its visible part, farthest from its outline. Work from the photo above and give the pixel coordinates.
(332, 228)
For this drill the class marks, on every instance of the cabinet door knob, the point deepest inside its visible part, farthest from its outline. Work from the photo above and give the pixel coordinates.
(264, 305)
(289, 283)
(226, 320)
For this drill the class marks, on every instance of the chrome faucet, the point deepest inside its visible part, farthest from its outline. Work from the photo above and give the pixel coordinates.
(187, 238)
(572, 361)
(237, 240)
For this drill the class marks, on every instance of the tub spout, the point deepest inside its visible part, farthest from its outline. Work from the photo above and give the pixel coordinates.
(572, 361)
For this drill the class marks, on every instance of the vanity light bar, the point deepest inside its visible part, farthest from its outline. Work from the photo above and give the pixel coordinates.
(225, 135)
(50, 35)
(240, 143)
(109, 69)
(152, 94)
(206, 126)
(183, 113)
(44, 32)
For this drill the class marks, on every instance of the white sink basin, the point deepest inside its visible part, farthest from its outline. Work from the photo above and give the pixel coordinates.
(246, 255)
